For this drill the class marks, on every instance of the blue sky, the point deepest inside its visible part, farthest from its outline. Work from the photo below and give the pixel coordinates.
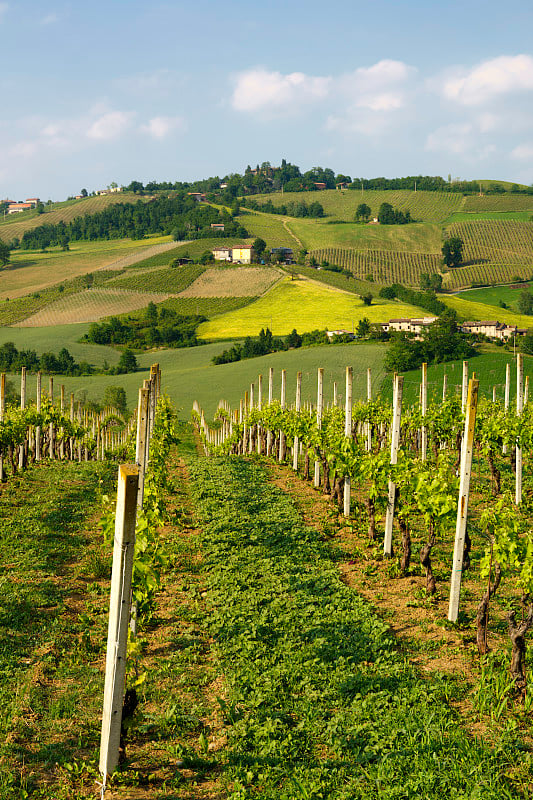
(120, 90)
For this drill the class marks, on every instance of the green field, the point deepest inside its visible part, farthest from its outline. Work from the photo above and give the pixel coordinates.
(415, 237)
(489, 367)
(471, 310)
(499, 202)
(423, 206)
(305, 306)
(468, 216)
(171, 279)
(493, 294)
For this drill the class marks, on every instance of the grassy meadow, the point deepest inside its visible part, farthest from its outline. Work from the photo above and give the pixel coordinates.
(493, 294)
(472, 310)
(303, 305)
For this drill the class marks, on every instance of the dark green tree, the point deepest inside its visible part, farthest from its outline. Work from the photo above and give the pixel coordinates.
(259, 246)
(362, 212)
(115, 396)
(127, 362)
(452, 251)
(525, 301)
(151, 313)
(4, 253)
(363, 327)
(367, 298)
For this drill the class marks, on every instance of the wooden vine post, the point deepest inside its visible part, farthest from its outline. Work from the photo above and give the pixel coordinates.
(71, 417)
(51, 427)
(464, 388)
(252, 427)
(259, 406)
(62, 431)
(507, 398)
(424, 405)
(298, 406)
(38, 427)
(119, 616)
(270, 397)
(319, 409)
(335, 395)
(395, 440)
(282, 442)
(369, 400)
(2, 414)
(462, 505)
(22, 407)
(519, 409)
(141, 442)
(444, 387)
(348, 434)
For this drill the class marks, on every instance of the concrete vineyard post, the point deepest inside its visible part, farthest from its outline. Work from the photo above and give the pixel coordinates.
(464, 388)
(270, 396)
(298, 406)
(348, 434)
(395, 440)
(141, 443)
(281, 453)
(319, 409)
(424, 404)
(462, 505)
(2, 413)
(119, 614)
(519, 409)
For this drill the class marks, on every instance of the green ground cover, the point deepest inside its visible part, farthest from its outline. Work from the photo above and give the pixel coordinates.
(412, 238)
(270, 228)
(320, 703)
(50, 660)
(489, 367)
(471, 310)
(467, 216)
(53, 338)
(305, 306)
(499, 202)
(493, 294)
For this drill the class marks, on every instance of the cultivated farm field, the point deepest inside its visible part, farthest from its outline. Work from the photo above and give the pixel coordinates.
(90, 306)
(171, 280)
(232, 282)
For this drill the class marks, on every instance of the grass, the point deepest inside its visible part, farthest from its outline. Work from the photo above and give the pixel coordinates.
(498, 202)
(423, 206)
(471, 310)
(319, 702)
(270, 228)
(51, 649)
(468, 216)
(53, 338)
(489, 367)
(302, 305)
(412, 238)
(493, 294)
(32, 271)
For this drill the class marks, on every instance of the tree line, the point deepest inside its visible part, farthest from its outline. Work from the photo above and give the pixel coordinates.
(439, 342)
(290, 209)
(180, 216)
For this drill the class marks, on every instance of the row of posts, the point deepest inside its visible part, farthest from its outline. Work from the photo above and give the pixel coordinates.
(469, 401)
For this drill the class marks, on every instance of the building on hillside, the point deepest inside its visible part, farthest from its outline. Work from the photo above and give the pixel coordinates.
(223, 185)
(198, 196)
(493, 329)
(331, 334)
(115, 189)
(16, 208)
(222, 253)
(407, 325)
(217, 226)
(242, 254)
(341, 185)
(320, 185)
(34, 200)
(284, 254)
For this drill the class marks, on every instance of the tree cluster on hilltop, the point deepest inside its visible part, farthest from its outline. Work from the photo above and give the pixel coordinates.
(154, 328)
(179, 215)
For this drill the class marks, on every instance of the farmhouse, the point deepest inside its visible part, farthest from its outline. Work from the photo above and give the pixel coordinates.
(493, 329)
(331, 334)
(242, 254)
(15, 208)
(198, 196)
(222, 253)
(217, 226)
(319, 185)
(406, 325)
(284, 254)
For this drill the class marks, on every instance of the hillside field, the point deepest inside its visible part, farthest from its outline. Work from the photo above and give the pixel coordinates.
(303, 305)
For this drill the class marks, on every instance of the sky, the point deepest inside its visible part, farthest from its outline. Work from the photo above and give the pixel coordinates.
(124, 90)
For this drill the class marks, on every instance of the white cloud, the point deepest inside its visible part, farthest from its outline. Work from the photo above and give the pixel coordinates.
(160, 127)
(523, 151)
(260, 89)
(496, 77)
(460, 139)
(110, 125)
(3, 10)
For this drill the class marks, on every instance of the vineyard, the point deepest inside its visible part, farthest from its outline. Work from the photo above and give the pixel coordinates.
(508, 240)
(169, 280)
(384, 266)
(498, 202)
